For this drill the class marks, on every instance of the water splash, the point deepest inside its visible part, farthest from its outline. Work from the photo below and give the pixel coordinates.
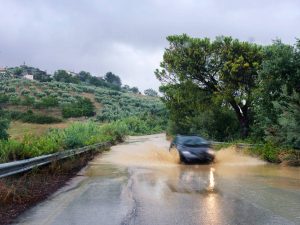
(143, 153)
(232, 157)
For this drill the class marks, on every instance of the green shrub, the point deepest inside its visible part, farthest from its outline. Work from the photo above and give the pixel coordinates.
(28, 101)
(4, 124)
(30, 117)
(115, 132)
(49, 101)
(80, 134)
(267, 151)
(4, 98)
(10, 150)
(83, 107)
(15, 100)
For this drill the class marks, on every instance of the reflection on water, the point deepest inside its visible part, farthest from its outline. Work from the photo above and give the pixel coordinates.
(212, 214)
(211, 180)
(212, 209)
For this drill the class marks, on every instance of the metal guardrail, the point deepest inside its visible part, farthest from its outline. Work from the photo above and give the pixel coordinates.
(239, 145)
(11, 168)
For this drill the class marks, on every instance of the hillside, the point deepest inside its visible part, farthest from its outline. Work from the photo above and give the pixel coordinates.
(55, 102)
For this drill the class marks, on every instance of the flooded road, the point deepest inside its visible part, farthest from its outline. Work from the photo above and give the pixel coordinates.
(140, 182)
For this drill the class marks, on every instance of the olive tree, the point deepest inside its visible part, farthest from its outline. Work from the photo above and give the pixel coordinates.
(225, 67)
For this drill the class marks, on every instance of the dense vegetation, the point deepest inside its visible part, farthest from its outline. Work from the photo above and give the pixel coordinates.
(109, 80)
(64, 100)
(4, 124)
(226, 89)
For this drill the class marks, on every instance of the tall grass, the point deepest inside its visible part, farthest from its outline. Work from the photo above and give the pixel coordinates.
(77, 135)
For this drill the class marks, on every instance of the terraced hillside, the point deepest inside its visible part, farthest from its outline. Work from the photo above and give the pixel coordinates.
(65, 100)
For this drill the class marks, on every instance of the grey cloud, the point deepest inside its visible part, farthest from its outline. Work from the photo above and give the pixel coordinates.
(128, 37)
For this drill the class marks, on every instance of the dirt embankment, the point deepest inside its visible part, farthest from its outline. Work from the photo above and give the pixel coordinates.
(20, 192)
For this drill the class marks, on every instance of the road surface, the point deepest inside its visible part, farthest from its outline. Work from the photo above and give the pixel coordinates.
(140, 182)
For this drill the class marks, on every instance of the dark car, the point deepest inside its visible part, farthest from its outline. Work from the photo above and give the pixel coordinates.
(193, 149)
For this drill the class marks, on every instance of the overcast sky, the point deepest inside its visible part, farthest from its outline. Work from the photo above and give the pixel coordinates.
(127, 37)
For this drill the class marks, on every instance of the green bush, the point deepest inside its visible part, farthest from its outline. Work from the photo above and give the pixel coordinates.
(49, 102)
(144, 125)
(15, 100)
(28, 101)
(83, 107)
(30, 117)
(4, 124)
(267, 151)
(115, 131)
(10, 150)
(4, 98)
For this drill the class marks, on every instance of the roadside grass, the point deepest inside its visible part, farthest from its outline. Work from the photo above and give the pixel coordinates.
(31, 140)
(18, 129)
(54, 140)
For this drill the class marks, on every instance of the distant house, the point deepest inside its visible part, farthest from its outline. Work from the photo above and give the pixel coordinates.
(73, 74)
(28, 76)
(2, 70)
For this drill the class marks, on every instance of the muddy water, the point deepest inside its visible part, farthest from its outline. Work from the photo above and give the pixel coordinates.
(141, 182)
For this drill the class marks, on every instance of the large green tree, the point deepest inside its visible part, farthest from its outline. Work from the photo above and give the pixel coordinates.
(113, 79)
(225, 67)
(192, 111)
(277, 102)
(151, 92)
(64, 76)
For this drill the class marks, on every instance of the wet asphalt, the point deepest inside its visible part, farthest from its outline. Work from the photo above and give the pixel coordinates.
(140, 182)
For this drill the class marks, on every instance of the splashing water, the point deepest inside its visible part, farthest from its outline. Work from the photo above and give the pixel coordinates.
(232, 157)
(143, 154)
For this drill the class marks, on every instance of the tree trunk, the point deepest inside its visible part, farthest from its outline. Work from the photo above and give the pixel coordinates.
(242, 115)
(244, 124)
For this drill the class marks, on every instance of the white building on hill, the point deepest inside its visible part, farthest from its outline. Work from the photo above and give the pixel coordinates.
(2, 70)
(28, 76)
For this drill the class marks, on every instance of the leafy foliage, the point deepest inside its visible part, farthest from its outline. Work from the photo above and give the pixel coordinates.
(225, 68)
(277, 103)
(118, 105)
(113, 79)
(151, 92)
(83, 107)
(64, 76)
(192, 111)
(30, 117)
(206, 82)
(4, 124)
(68, 98)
